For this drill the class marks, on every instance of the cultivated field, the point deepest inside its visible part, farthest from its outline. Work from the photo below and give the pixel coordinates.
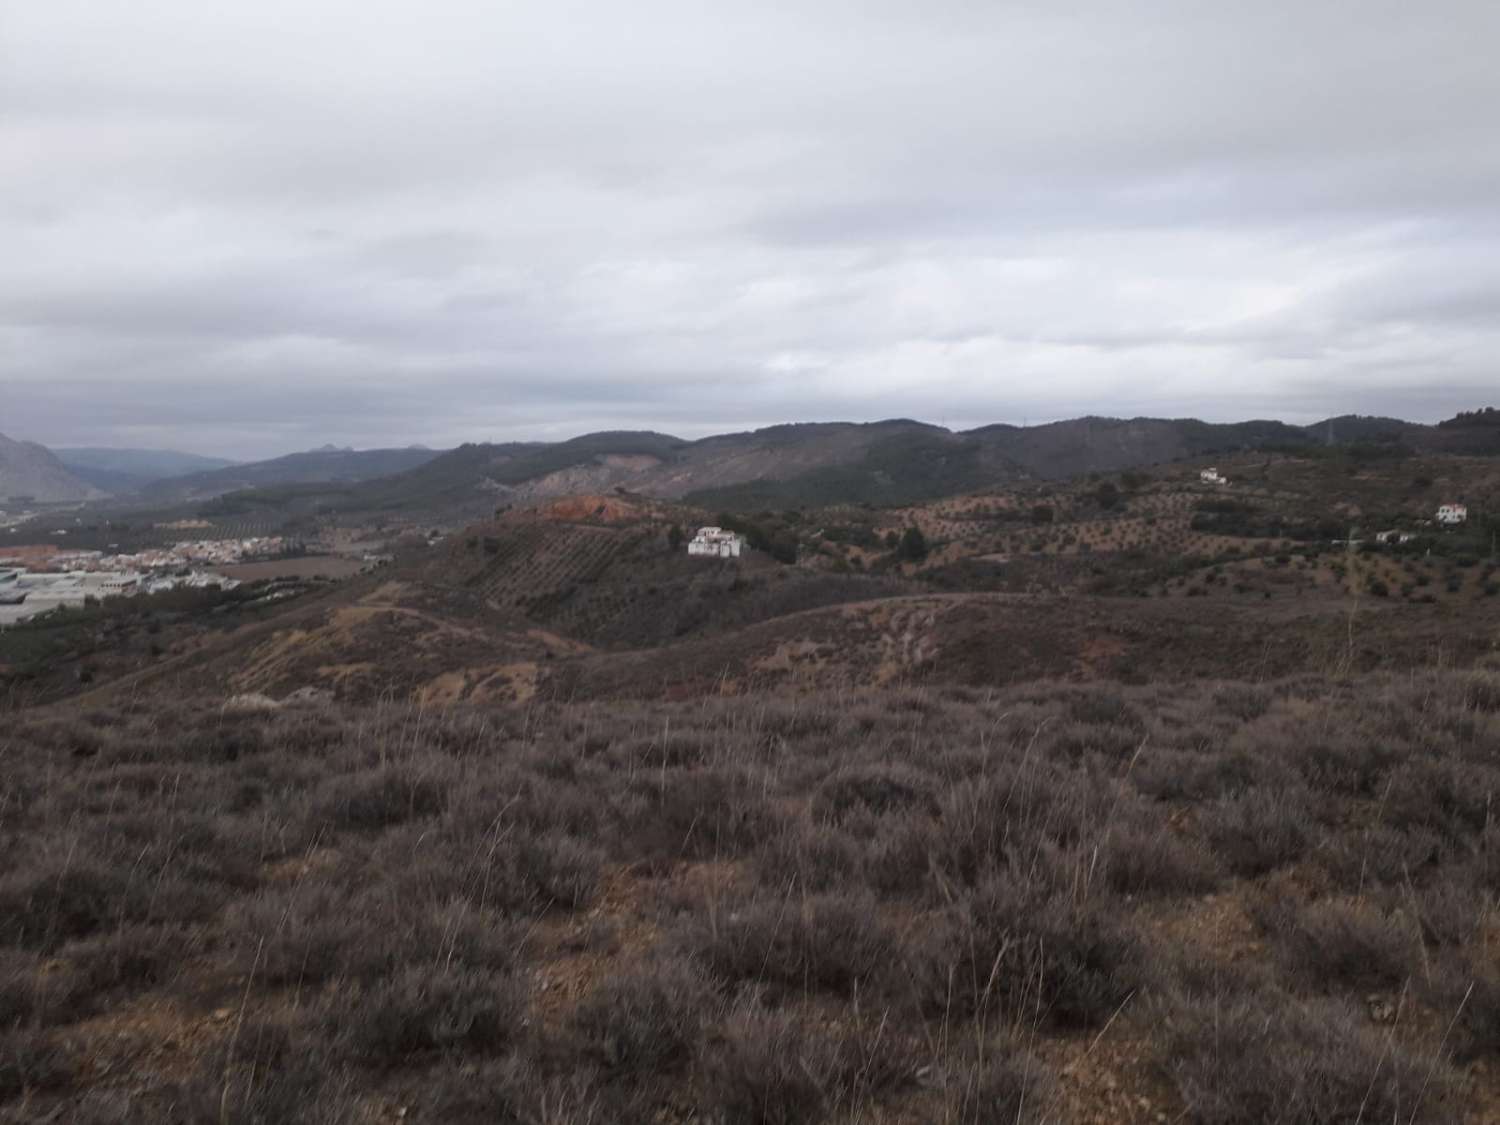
(309, 566)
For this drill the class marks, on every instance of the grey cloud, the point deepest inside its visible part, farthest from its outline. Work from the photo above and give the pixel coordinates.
(250, 228)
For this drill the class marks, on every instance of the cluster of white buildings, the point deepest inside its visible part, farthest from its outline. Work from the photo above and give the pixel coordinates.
(1451, 515)
(1213, 476)
(715, 543)
(209, 552)
(204, 552)
(24, 594)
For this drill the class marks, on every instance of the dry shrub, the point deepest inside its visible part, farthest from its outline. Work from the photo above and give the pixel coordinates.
(836, 942)
(1019, 950)
(1265, 1058)
(1007, 1087)
(1101, 707)
(380, 799)
(1243, 701)
(1020, 809)
(645, 1021)
(292, 1091)
(131, 957)
(513, 1091)
(42, 909)
(315, 933)
(1145, 860)
(877, 789)
(428, 1009)
(1379, 856)
(811, 857)
(1451, 798)
(1337, 944)
(510, 870)
(701, 814)
(1258, 831)
(768, 1069)
(30, 1061)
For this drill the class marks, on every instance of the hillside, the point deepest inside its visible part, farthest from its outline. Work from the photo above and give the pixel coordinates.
(29, 470)
(1126, 798)
(314, 467)
(129, 470)
(884, 464)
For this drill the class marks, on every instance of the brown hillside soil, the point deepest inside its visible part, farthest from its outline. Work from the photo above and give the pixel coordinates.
(600, 509)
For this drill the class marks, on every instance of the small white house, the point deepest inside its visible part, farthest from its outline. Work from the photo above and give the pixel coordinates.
(715, 543)
(1394, 536)
(1212, 476)
(1452, 514)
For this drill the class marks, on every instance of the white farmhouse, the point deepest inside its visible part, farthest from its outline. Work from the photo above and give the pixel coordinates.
(1452, 514)
(715, 543)
(1211, 476)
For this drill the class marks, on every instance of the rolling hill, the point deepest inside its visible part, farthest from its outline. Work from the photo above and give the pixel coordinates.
(31, 470)
(889, 463)
(129, 470)
(314, 467)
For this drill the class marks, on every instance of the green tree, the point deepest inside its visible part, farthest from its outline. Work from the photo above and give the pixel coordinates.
(913, 544)
(675, 537)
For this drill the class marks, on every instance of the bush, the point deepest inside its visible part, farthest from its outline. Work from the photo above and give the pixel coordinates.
(1142, 861)
(1264, 1058)
(388, 796)
(768, 1070)
(1257, 831)
(1021, 951)
(645, 1021)
(31, 1060)
(830, 941)
(877, 789)
(1004, 1089)
(512, 1091)
(426, 1009)
(44, 909)
(133, 957)
(1333, 944)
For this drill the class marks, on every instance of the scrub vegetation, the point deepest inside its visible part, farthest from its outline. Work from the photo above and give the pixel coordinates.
(1220, 902)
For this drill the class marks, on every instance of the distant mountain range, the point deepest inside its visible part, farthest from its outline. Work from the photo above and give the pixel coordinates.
(897, 461)
(893, 462)
(129, 470)
(318, 466)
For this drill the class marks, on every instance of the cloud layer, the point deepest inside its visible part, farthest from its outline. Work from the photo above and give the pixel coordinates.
(252, 228)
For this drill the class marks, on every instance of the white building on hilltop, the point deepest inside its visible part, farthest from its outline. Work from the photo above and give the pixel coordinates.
(1452, 514)
(715, 543)
(1211, 476)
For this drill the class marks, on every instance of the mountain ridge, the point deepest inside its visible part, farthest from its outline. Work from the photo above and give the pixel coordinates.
(891, 461)
(31, 470)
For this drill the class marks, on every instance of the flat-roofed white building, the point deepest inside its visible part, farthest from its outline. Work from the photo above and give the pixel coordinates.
(715, 543)
(1452, 514)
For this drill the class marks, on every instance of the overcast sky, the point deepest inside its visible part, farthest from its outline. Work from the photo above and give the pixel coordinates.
(251, 228)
